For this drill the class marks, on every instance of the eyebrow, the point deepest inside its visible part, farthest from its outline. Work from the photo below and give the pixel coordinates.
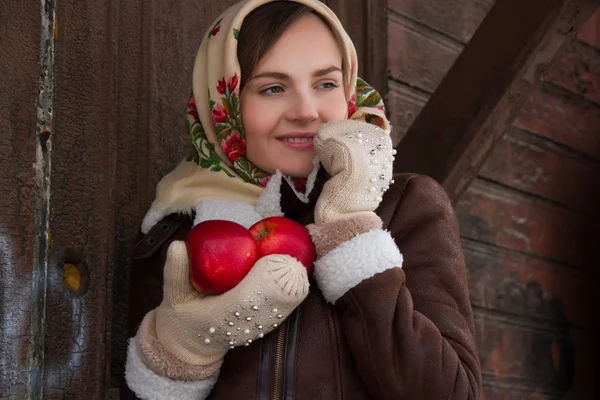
(281, 75)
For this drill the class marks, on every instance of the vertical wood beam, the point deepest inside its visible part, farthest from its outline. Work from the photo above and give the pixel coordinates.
(366, 22)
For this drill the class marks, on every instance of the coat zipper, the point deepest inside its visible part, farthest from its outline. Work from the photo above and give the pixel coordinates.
(284, 366)
(277, 369)
(278, 362)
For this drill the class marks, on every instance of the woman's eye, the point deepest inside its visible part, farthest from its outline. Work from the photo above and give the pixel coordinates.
(327, 85)
(273, 90)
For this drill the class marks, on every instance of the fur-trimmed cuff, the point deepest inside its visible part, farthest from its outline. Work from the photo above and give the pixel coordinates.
(329, 236)
(148, 385)
(354, 261)
(154, 356)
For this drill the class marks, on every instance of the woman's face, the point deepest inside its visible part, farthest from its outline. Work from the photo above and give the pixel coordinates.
(296, 87)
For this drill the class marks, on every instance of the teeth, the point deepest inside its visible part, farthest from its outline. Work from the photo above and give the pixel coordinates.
(298, 140)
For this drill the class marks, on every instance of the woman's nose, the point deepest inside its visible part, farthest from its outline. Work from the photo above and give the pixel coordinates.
(304, 107)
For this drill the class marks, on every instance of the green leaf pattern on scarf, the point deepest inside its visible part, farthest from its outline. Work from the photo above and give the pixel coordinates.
(367, 96)
(203, 153)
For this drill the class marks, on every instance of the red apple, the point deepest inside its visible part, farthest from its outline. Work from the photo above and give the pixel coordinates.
(221, 253)
(280, 235)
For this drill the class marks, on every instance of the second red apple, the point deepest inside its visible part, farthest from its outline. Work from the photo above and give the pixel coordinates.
(280, 235)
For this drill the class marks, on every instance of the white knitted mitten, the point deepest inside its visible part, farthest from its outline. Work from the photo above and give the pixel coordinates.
(359, 158)
(199, 329)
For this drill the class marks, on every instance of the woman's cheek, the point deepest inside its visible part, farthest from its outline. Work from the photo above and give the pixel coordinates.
(339, 106)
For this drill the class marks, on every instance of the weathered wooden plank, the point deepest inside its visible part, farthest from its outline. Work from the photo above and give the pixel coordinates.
(131, 192)
(404, 104)
(18, 144)
(456, 18)
(590, 31)
(511, 283)
(84, 176)
(366, 23)
(417, 55)
(551, 361)
(495, 215)
(578, 70)
(534, 165)
(481, 94)
(568, 120)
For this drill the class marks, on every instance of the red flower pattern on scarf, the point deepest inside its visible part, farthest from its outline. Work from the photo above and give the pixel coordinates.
(219, 114)
(192, 109)
(233, 82)
(234, 146)
(352, 106)
(222, 86)
(263, 181)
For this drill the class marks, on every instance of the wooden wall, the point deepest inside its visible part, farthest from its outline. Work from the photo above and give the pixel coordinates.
(530, 227)
(529, 221)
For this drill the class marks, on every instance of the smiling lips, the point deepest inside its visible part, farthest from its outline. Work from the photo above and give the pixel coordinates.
(298, 140)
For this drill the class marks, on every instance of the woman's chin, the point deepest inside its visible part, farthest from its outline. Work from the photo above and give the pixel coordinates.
(297, 172)
(296, 167)
(290, 165)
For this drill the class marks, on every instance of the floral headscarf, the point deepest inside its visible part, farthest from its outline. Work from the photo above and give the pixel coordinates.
(214, 120)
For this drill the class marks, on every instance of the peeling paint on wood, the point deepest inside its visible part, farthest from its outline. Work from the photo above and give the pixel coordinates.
(41, 236)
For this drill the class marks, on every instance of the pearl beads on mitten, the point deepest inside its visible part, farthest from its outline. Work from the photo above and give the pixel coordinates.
(359, 157)
(200, 329)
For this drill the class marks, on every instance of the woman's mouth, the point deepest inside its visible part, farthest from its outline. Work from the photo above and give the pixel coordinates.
(300, 142)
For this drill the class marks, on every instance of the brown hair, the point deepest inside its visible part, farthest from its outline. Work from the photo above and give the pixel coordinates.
(261, 28)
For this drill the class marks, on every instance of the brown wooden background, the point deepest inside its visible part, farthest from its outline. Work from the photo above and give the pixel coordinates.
(530, 219)
(530, 228)
(92, 116)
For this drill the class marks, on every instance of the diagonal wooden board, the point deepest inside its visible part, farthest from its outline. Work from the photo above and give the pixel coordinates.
(486, 87)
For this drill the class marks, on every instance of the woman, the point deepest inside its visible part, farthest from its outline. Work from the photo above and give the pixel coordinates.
(280, 126)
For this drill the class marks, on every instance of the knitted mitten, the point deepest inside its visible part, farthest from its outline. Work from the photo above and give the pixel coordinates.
(198, 330)
(358, 156)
